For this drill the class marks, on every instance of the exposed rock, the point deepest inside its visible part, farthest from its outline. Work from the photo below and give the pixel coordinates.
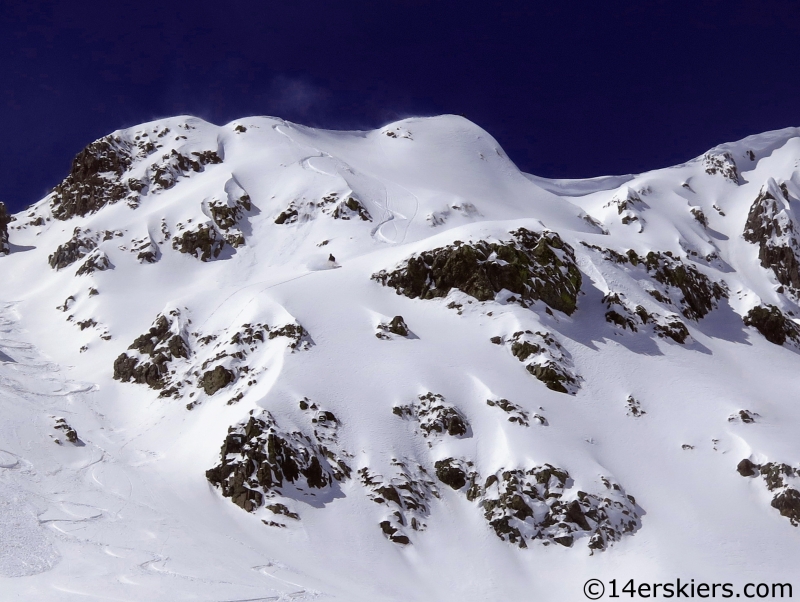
(545, 358)
(773, 324)
(351, 208)
(288, 216)
(146, 250)
(450, 473)
(459, 475)
(94, 179)
(174, 165)
(781, 479)
(396, 326)
(634, 407)
(721, 162)
(258, 460)
(5, 219)
(226, 363)
(787, 502)
(299, 337)
(97, 261)
(628, 204)
(515, 413)
(435, 416)
(74, 249)
(227, 214)
(527, 505)
(203, 242)
(745, 416)
(324, 422)
(747, 469)
(701, 218)
(772, 225)
(84, 324)
(67, 304)
(216, 379)
(163, 343)
(700, 294)
(625, 200)
(682, 283)
(621, 313)
(406, 494)
(70, 433)
(533, 266)
(282, 510)
(467, 210)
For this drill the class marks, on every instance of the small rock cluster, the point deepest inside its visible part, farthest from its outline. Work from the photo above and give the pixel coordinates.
(781, 479)
(155, 350)
(212, 362)
(70, 433)
(544, 357)
(344, 209)
(515, 413)
(722, 163)
(406, 496)
(396, 326)
(435, 416)
(621, 313)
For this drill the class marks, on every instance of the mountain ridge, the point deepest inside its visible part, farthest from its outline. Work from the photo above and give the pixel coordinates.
(399, 335)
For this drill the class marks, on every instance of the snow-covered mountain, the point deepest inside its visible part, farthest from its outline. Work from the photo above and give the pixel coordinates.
(262, 361)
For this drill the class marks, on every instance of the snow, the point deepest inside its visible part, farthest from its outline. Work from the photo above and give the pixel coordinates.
(127, 513)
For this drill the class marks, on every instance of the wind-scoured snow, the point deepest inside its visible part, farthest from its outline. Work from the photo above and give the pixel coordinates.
(434, 377)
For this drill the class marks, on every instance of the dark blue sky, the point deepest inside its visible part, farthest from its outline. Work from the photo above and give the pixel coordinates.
(569, 89)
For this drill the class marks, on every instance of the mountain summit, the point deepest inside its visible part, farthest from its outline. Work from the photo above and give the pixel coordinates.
(265, 361)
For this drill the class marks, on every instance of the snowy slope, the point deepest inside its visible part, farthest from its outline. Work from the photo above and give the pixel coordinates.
(189, 286)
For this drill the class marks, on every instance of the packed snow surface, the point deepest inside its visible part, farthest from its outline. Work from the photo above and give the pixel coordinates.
(189, 286)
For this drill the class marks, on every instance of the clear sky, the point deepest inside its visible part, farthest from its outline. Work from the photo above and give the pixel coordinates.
(570, 89)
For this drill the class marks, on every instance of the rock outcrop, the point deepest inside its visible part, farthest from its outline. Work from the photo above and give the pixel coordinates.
(670, 281)
(94, 180)
(772, 225)
(406, 495)
(544, 358)
(721, 163)
(396, 326)
(515, 413)
(70, 433)
(532, 266)
(203, 242)
(5, 219)
(782, 480)
(169, 357)
(621, 313)
(435, 416)
(772, 324)
(174, 165)
(529, 505)
(258, 460)
(74, 249)
(154, 351)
